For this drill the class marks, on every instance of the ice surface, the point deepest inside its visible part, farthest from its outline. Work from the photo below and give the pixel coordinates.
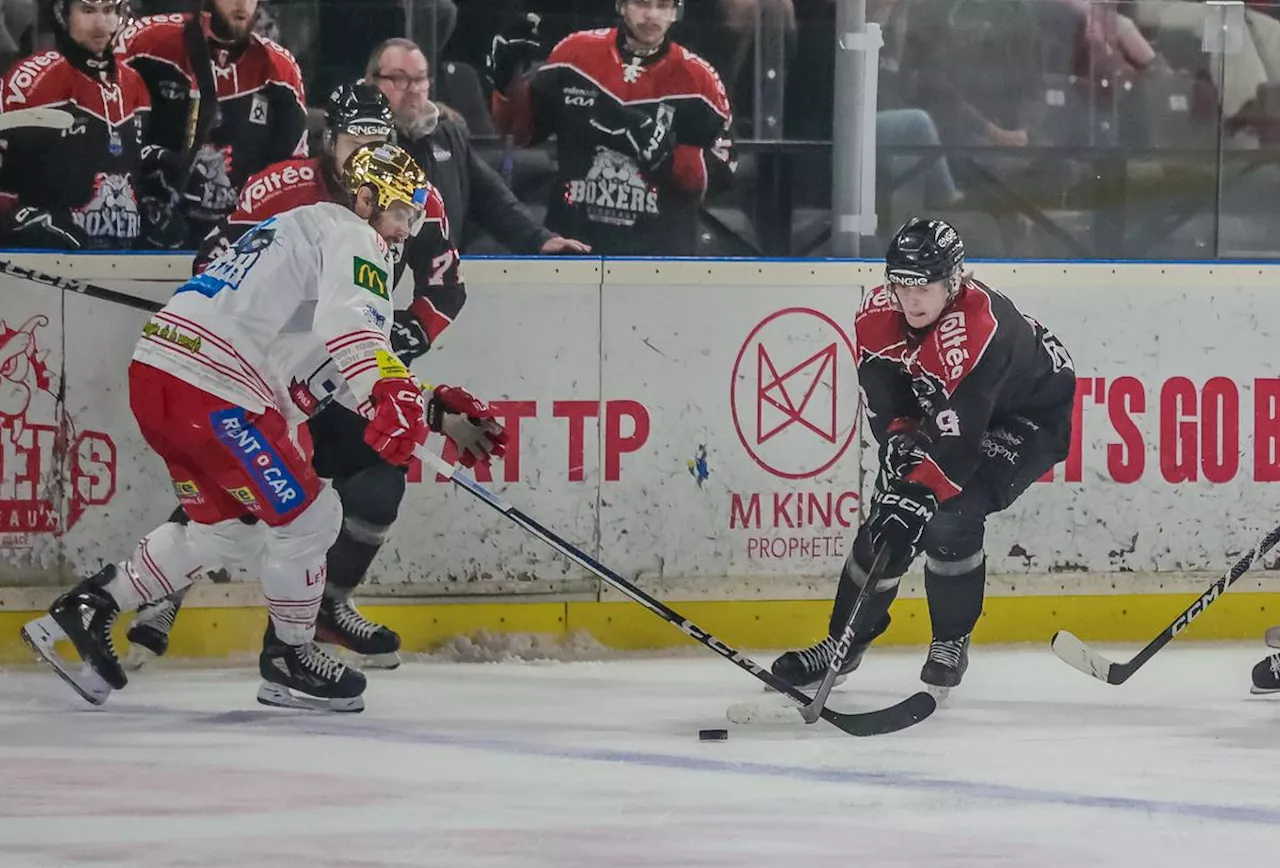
(598, 765)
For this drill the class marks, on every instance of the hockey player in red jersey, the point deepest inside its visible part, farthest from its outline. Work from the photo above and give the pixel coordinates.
(971, 402)
(75, 188)
(212, 387)
(641, 126)
(250, 113)
(370, 489)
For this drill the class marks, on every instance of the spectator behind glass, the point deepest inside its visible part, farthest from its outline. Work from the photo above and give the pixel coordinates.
(259, 117)
(641, 127)
(17, 20)
(73, 189)
(471, 189)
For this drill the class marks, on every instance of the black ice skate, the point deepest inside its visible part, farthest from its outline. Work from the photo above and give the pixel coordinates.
(84, 616)
(149, 633)
(804, 669)
(947, 662)
(323, 682)
(1266, 675)
(341, 623)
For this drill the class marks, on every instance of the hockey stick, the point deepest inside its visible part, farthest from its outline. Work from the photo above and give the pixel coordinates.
(813, 710)
(89, 289)
(37, 118)
(1075, 653)
(906, 713)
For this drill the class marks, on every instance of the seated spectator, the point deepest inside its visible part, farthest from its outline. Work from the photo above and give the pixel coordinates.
(471, 189)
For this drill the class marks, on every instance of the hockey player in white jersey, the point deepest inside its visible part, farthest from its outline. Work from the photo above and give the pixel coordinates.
(214, 387)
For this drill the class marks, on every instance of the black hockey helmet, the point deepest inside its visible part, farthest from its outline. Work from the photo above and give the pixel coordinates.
(923, 252)
(358, 110)
(62, 11)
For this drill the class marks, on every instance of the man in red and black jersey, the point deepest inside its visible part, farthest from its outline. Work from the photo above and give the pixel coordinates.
(256, 117)
(641, 125)
(971, 402)
(369, 488)
(73, 188)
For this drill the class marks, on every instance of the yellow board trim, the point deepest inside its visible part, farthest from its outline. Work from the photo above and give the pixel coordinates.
(215, 633)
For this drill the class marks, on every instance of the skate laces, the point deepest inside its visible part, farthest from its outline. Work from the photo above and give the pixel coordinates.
(319, 662)
(1274, 660)
(819, 656)
(158, 616)
(351, 621)
(87, 614)
(946, 651)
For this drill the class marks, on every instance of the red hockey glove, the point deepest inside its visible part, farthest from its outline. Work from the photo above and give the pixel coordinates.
(468, 422)
(398, 425)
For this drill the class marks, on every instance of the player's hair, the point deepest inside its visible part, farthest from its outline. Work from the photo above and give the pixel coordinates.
(374, 66)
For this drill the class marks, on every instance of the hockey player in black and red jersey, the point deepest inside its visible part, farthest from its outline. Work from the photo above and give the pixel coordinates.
(971, 402)
(369, 488)
(641, 126)
(74, 188)
(255, 116)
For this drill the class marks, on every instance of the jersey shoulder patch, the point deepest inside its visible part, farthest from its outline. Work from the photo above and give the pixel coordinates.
(704, 80)
(280, 187)
(158, 35)
(38, 80)
(583, 43)
(961, 338)
(878, 327)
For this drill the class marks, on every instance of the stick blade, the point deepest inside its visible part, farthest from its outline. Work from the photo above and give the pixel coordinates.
(1074, 653)
(41, 116)
(906, 713)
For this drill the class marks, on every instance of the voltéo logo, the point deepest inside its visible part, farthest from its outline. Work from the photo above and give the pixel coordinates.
(793, 393)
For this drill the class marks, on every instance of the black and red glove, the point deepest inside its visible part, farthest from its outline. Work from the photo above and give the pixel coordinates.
(399, 422)
(468, 422)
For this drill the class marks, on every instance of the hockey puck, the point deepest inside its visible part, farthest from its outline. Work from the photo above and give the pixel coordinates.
(713, 734)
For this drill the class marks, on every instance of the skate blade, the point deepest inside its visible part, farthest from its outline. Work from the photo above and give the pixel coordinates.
(138, 656)
(1263, 691)
(281, 697)
(938, 693)
(778, 709)
(40, 635)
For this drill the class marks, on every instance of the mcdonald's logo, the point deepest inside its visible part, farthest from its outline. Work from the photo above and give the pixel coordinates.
(369, 276)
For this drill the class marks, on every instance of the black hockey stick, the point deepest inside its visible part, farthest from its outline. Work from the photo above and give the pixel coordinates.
(203, 113)
(1074, 652)
(79, 286)
(910, 711)
(811, 712)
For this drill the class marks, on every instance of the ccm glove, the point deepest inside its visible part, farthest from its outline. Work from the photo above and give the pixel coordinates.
(398, 425)
(899, 515)
(468, 422)
(649, 138)
(514, 52)
(408, 338)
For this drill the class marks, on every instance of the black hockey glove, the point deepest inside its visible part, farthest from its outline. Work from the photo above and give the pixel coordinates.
(899, 515)
(650, 139)
(36, 228)
(905, 445)
(514, 52)
(408, 338)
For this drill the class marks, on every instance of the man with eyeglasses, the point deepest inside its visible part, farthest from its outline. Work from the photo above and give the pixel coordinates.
(471, 189)
(641, 126)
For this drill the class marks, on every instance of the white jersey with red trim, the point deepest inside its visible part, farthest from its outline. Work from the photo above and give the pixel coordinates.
(297, 309)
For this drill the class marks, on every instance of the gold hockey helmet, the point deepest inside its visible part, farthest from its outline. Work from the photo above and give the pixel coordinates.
(390, 171)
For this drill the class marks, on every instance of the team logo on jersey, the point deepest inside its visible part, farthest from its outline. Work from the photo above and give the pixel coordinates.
(244, 494)
(111, 213)
(258, 110)
(368, 276)
(26, 74)
(631, 70)
(614, 190)
(51, 470)
(580, 97)
(231, 267)
(211, 176)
